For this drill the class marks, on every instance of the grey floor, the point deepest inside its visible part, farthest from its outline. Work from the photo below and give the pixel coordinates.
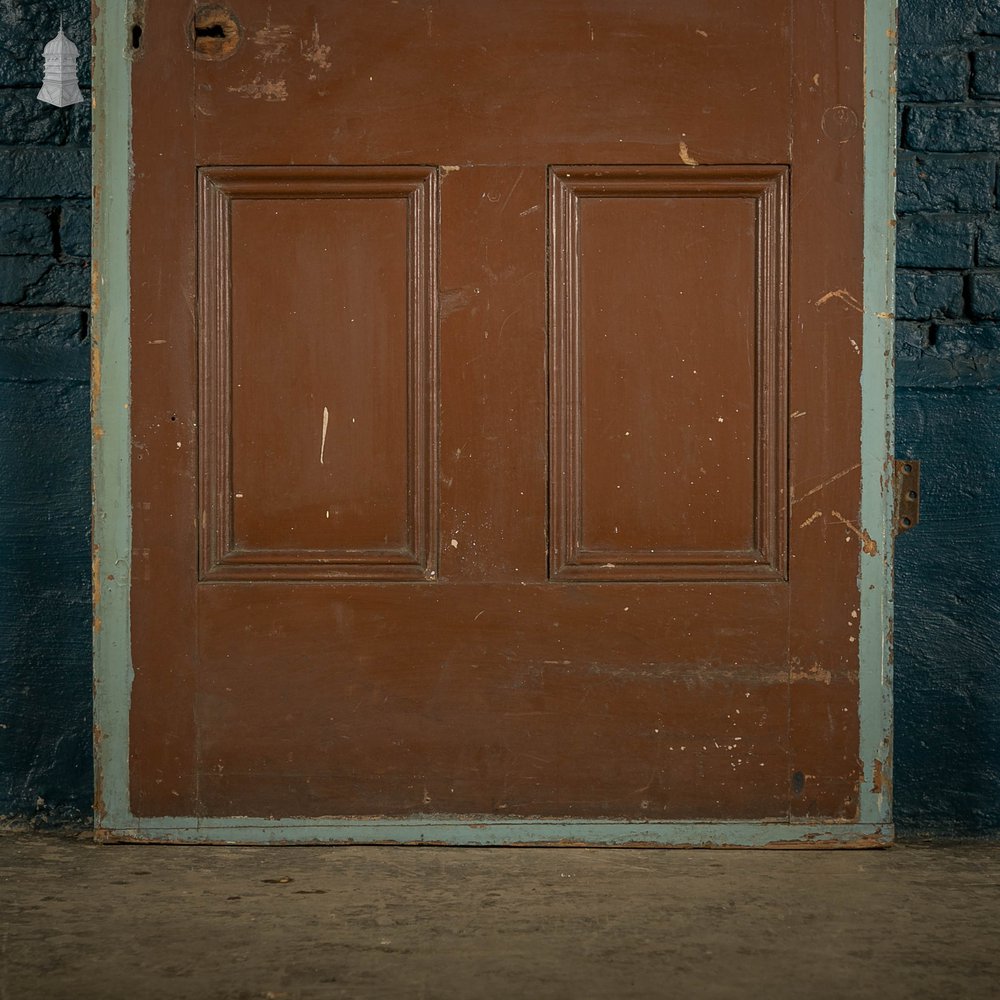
(80, 921)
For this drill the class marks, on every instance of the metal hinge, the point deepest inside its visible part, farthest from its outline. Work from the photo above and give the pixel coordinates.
(906, 482)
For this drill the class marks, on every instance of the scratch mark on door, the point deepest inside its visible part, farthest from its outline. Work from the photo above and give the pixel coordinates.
(844, 295)
(326, 424)
(826, 482)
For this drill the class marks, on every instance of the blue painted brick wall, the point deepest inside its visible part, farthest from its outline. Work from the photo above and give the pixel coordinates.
(45, 760)
(948, 414)
(947, 653)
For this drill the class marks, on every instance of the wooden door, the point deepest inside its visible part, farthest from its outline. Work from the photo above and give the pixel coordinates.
(496, 412)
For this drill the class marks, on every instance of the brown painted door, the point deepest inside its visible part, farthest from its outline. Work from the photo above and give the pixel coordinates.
(496, 409)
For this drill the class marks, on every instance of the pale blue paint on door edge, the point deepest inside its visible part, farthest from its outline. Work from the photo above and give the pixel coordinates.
(112, 522)
(491, 832)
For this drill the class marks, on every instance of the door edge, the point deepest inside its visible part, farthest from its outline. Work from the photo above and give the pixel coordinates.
(111, 562)
(445, 831)
(878, 414)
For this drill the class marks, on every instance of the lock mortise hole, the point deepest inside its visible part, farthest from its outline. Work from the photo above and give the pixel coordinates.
(214, 33)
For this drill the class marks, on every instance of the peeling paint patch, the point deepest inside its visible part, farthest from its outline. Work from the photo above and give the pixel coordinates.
(685, 155)
(880, 780)
(272, 40)
(316, 52)
(260, 89)
(815, 673)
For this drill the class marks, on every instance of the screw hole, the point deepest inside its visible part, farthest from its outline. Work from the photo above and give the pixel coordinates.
(912, 495)
(906, 522)
(907, 467)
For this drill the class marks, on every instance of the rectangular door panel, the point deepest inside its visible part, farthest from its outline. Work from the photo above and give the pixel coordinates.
(669, 379)
(318, 372)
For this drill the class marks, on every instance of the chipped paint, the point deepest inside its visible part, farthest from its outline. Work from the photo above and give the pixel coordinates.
(259, 89)
(315, 52)
(272, 40)
(868, 544)
(815, 673)
(685, 155)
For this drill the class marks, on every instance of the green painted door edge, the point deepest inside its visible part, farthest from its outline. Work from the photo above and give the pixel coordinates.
(113, 819)
(491, 832)
(110, 396)
(877, 413)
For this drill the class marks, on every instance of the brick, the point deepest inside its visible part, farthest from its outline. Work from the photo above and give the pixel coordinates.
(61, 284)
(36, 344)
(43, 281)
(912, 335)
(25, 27)
(944, 183)
(933, 76)
(74, 230)
(25, 120)
(933, 241)
(929, 294)
(984, 294)
(953, 340)
(988, 250)
(17, 275)
(988, 22)
(957, 130)
(922, 23)
(38, 325)
(986, 73)
(25, 230)
(45, 173)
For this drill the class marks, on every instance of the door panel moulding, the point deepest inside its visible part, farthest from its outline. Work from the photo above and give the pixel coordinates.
(112, 556)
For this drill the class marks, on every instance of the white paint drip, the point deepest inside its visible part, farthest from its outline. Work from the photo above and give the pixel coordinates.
(322, 444)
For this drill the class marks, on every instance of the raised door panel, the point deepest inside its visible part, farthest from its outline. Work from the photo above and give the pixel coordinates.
(668, 332)
(318, 380)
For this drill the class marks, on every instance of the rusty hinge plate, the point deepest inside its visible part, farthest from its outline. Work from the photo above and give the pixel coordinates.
(907, 491)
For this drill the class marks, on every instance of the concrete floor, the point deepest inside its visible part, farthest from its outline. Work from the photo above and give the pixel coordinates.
(142, 922)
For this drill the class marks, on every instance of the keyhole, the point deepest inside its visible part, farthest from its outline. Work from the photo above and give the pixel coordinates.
(215, 33)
